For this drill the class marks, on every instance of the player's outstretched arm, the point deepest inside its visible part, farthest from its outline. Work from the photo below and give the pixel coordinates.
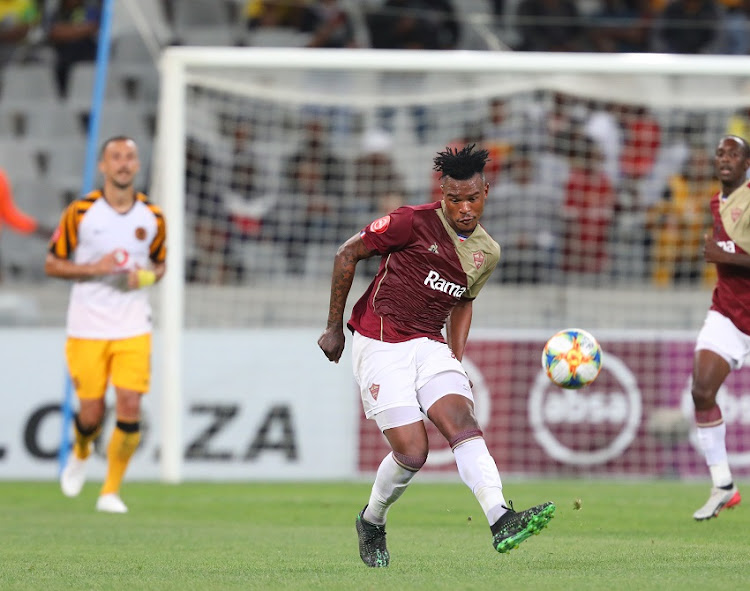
(344, 265)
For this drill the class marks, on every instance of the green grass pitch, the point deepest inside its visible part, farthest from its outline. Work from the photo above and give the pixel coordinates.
(200, 536)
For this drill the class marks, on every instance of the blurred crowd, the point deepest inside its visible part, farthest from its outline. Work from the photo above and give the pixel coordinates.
(583, 189)
(69, 27)
(679, 26)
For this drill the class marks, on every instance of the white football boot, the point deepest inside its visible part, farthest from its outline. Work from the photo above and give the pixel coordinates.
(73, 476)
(719, 499)
(111, 503)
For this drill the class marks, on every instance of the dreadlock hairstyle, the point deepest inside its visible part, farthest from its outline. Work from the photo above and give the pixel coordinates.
(461, 164)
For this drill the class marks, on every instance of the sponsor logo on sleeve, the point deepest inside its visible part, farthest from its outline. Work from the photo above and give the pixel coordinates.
(380, 225)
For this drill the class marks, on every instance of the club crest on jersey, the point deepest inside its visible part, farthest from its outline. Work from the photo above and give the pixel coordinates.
(380, 225)
(140, 233)
(433, 249)
(735, 213)
(478, 258)
(374, 389)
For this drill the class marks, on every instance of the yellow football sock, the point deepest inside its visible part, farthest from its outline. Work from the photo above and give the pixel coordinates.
(122, 446)
(83, 439)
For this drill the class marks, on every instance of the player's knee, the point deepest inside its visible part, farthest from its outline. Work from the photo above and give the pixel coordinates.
(128, 404)
(88, 422)
(410, 462)
(453, 414)
(704, 397)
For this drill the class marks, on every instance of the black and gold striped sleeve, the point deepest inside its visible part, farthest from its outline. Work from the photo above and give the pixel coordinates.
(65, 238)
(158, 249)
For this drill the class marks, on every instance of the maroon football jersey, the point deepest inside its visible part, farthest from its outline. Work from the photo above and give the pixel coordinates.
(425, 270)
(731, 295)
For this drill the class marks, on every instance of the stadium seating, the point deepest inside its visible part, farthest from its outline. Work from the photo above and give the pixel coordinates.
(130, 49)
(66, 167)
(277, 37)
(198, 13)
(122, 118)
(52, 120)
(26, 83)
(81, 87)
(21, 158)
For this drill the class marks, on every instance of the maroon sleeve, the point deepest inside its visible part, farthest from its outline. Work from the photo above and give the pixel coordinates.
(389, 233)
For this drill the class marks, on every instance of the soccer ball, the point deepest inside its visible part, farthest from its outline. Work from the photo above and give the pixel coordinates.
(572, 358)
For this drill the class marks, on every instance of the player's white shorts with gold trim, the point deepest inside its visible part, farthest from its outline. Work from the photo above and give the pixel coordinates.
(720, 335)
(413, 374)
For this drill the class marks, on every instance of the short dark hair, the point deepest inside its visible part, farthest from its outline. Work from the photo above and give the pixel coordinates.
(461, 164)
(741, 141)
(116, 138)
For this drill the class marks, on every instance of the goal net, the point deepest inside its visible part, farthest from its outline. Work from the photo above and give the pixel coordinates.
(600, 174)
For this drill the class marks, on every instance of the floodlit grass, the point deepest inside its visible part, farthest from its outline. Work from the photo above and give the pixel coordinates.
(626, 535)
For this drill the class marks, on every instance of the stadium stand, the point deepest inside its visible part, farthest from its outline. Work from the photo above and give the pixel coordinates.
(23, 84)
(30, 112)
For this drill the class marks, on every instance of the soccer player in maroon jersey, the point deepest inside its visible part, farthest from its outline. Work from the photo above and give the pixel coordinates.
(724, 341)
(435, 258)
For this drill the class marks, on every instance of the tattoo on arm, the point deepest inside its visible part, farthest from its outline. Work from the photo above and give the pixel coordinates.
(344, 267)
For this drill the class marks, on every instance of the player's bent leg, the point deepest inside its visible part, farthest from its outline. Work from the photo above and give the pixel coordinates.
(394, 474)
(404, 429)
(718, 500)
(455, 419)
(393, 477)
(73, 475)
(514, 527)
(479, 471)
(122, 446)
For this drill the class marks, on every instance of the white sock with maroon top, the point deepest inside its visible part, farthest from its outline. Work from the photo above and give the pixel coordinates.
(479, 472)
(390, 483)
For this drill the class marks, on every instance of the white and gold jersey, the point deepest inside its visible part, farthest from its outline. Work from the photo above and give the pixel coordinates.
(103, 307)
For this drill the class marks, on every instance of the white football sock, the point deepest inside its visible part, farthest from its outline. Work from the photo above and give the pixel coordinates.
(390, 483)
(720, 474)
(712, 441)
(479, 472)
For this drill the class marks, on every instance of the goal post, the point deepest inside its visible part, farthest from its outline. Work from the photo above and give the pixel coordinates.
(169, 187)
(266, 263)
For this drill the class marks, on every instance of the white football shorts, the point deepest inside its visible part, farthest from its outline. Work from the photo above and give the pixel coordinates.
(722, 337)
(398, 382)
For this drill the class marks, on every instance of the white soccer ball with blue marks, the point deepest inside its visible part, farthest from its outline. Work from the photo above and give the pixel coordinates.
(572, 358)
